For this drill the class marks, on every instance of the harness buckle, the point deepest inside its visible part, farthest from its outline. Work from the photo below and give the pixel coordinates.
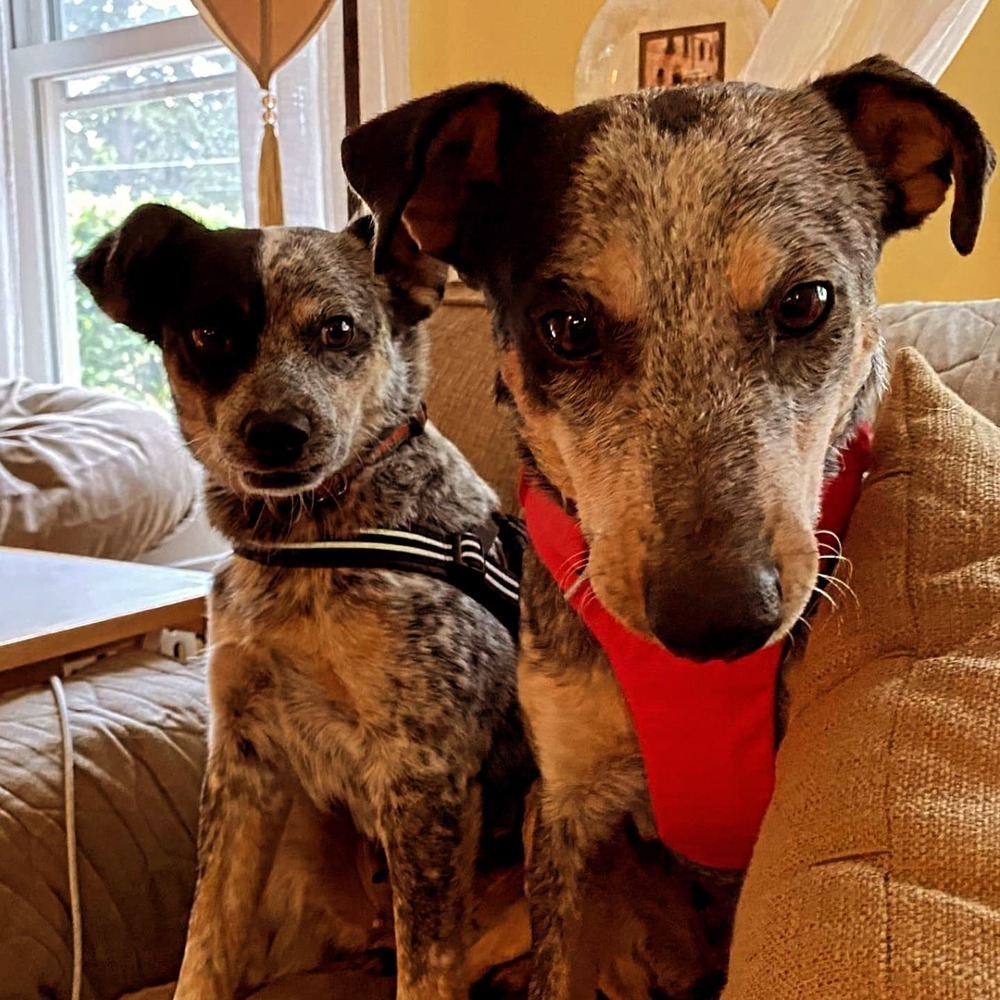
(469, 552)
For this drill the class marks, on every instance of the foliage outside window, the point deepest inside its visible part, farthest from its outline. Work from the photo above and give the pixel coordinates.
(183, 151)
(132, 101)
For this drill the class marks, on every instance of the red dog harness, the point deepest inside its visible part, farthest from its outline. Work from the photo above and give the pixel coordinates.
(706, 730)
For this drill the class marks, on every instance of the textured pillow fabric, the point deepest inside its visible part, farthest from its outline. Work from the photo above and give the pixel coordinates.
(88, 473)
(877, 871)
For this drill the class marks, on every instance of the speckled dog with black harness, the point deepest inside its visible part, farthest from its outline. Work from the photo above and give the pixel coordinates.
(362, 634)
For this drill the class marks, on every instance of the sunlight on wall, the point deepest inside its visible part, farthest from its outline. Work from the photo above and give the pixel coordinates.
(534, 43)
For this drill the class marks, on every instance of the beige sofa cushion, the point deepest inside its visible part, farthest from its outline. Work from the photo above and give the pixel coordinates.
(460, 398)
(138, 723)
(89, 473)
(877, 872)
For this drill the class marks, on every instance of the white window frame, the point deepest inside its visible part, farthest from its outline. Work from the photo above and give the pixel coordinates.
(37, 65)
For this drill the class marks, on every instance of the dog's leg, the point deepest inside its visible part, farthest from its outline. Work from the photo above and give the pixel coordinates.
(245, 800)
(431, 835)
(554, 883)
(243, 808)
(591, 780)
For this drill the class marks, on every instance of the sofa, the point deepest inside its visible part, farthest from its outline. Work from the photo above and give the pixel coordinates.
(139, 721)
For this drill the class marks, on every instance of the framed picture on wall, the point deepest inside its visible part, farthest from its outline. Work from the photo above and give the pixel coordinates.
(678, 56)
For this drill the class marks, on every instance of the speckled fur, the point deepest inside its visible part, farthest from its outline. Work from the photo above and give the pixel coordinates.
(697, 437)
(389, 695)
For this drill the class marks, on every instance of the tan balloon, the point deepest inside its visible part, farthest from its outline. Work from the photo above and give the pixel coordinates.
(264, 33)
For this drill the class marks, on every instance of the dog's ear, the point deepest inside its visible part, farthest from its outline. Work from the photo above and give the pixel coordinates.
(121, 270)
(429, 169)
(917, 139)
(416, 282)
(363, 227)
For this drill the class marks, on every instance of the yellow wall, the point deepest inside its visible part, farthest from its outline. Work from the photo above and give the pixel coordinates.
(924, 264)
(530, 43)
(534, 43)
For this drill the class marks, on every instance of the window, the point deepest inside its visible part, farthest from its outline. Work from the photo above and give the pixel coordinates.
(123, 101)
(75, 18)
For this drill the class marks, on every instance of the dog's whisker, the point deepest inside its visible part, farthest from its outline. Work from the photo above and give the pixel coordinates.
(843, 563)
(308, 502)
(831, 534)
(793, 639)
(828, 558)
(574, 563)
(842, 567)
(827, 597)
(588, 594)
(842, 587)
(298, 509)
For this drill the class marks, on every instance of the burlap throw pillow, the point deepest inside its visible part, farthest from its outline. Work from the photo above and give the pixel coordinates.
(877, 872)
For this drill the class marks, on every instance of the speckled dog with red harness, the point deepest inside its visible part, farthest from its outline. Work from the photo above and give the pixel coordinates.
(682, 286)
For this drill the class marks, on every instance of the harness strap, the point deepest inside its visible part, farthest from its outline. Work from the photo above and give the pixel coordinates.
(485, 563)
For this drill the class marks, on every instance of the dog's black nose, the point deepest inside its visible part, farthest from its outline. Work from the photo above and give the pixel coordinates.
(715, 613)
(276, 437)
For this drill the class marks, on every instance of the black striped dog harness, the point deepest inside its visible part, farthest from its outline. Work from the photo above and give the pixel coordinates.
(484, 563)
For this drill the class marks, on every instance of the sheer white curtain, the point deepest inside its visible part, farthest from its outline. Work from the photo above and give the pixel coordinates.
(807, 37)
(10, 319)
(310, 91)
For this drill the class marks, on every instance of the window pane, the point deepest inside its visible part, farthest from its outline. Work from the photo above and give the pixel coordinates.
(91, 17)
(150, 74)
(180, 150)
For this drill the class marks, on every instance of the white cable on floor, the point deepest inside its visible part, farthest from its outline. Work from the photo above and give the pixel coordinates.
(69, 791)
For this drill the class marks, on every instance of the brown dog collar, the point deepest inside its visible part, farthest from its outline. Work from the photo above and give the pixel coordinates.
(338, 484)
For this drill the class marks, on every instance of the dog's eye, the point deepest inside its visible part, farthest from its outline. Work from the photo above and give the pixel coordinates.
(338, 332)
(208, 340)
(569, 335)
(804, 307)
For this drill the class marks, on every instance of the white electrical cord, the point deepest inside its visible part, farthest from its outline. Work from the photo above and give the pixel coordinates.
(69, 791)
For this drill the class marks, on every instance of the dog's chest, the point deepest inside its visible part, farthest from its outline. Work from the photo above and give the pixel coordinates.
(331, 705)
(372, 683)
